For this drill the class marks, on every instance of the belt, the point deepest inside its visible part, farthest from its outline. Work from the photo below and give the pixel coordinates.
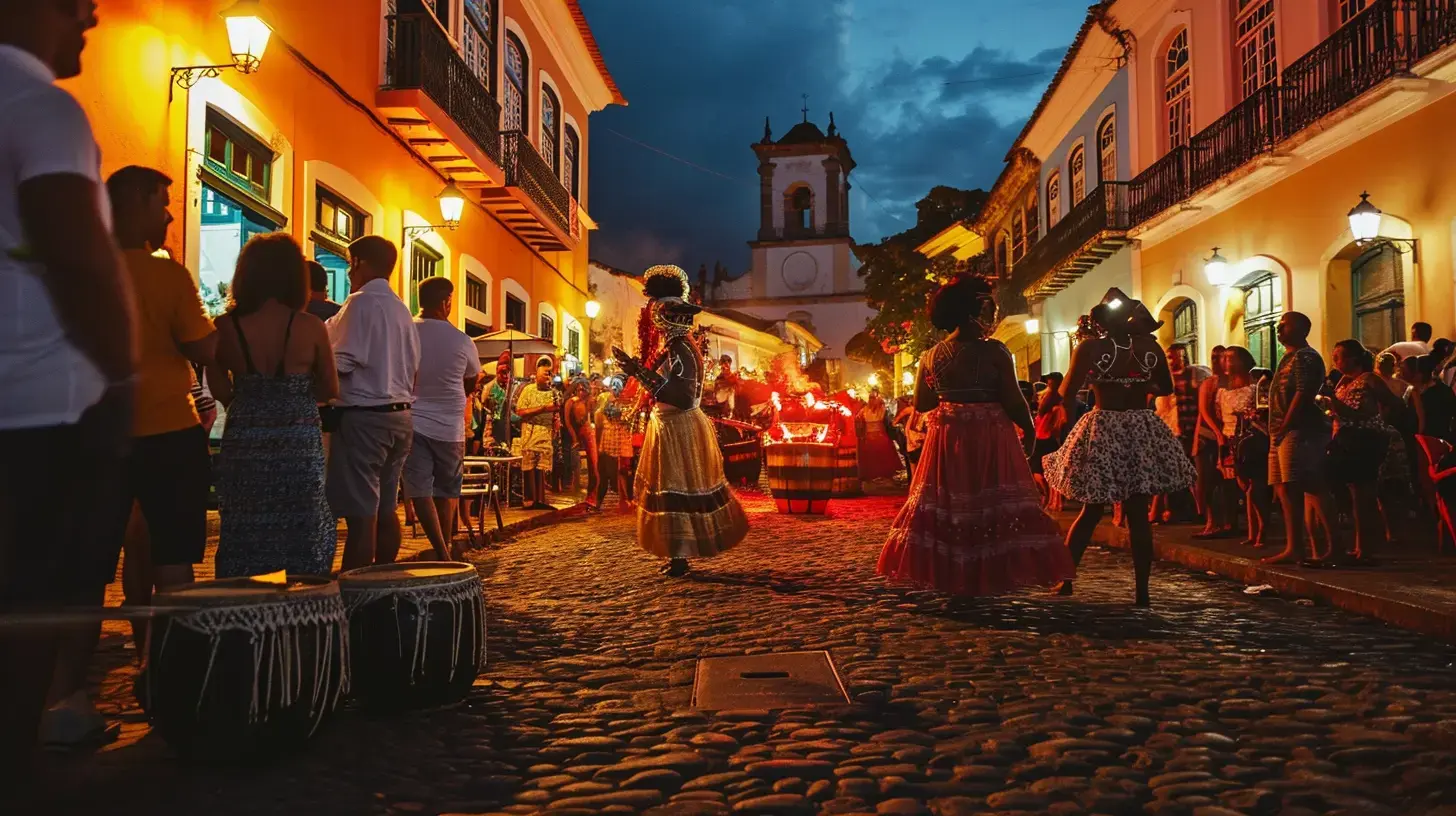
(391, 408)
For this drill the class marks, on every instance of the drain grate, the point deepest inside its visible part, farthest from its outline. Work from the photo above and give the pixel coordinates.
(767, 681)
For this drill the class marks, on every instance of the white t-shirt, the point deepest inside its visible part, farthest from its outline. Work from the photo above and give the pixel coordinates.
(376, 348)
(1408, 348)
(44, 379)
(447, 357)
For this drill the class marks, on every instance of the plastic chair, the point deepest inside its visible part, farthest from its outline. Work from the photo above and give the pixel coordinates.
(1442, 485)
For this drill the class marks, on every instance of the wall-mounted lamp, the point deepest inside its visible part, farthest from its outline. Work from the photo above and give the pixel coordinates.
(1216, 269)
(1365, 221)
(248, 37)
(1032, 326)
(452, 208)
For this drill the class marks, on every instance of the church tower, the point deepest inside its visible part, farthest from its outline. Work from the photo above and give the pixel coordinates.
(803, 269)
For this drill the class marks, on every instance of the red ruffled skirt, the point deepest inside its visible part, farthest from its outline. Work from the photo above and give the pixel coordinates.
(973, 524)
(878, 458)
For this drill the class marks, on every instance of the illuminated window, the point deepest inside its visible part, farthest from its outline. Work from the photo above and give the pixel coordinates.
(477, 40)
(1107, 149)
(1054, 199)
(1263, 304)
(571, 162)
(548, 328)
(238, 157)
(337, 223)
(477, 294)
(1254, 45)
(1177, 92)
(1077, 166)
(514, 110)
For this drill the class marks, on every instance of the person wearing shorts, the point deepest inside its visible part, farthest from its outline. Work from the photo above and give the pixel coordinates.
(1299, 438)
(449, 370)
(377, 351)
(536, 406)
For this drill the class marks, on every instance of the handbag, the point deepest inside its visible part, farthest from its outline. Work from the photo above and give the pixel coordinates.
(1354, 455)
(1251, 455)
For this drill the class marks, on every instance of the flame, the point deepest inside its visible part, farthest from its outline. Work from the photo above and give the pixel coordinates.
(823, 432)
(845, 411)
(784, 430)
(810, 400)
(774, 398)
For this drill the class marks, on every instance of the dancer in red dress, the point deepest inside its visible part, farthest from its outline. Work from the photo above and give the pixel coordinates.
(973, 524)
(877, 456)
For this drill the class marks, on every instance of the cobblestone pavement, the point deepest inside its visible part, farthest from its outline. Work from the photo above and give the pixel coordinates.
(1212, 703)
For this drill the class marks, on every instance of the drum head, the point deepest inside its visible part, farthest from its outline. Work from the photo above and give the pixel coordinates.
(410, 573)
(244, 591)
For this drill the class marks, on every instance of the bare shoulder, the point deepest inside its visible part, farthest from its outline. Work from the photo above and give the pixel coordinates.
(310, 323)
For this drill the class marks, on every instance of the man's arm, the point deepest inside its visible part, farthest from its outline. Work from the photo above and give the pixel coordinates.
(349, 335)
(64, 231)
(193, 333)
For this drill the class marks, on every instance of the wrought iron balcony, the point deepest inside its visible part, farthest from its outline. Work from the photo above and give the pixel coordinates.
(431, 97)
(1093, 231)
(1373, 46)
(1249, 130)
(1162, 185)
(533, 203)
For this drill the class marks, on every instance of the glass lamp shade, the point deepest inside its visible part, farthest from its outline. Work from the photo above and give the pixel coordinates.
(1032, 326)
(1365, 220)
(247, 35)
(593, 309)
(1217, 269)
(452, 205)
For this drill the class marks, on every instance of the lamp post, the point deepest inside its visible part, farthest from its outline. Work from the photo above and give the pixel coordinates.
(248, 37)
(593, 309)
(1216, 269)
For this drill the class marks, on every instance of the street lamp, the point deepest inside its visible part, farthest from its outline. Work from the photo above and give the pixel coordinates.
(1365, 219)
(1217, 269)
(248, 37)
(452, 207)
(1032, 325)
(593, 309)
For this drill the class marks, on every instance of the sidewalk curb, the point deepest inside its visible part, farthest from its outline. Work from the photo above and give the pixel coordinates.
(1301, 583)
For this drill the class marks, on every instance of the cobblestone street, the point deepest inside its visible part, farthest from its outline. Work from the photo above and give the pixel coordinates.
(1212, 703)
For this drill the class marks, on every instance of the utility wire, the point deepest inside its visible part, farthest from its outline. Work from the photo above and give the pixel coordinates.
(659, 151)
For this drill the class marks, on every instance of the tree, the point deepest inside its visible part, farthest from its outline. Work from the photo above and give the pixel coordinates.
(899, 281)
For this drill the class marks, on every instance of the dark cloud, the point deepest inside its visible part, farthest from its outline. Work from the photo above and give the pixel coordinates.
(701, 76)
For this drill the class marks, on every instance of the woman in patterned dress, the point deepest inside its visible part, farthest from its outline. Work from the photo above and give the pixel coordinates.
(973, 524)
(616, 446)
(1120, 452)
(1364, 451)
(274, 368)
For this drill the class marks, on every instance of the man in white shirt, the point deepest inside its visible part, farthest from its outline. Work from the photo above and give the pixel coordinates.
(1418, 345)
(449, 370)
(67, 360)
(377, 351)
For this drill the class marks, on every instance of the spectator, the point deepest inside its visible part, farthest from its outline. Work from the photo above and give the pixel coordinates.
(448, 373)
(319, 304)
(1433, 401)
(1050, 427)
(378, 354)
(274, 367)
(1365, 450)
(1187, 378)
(1298, 437)
(1418, 345)
(581, 435)
(616, 448)
(536, 406)
(1214, 495)
(68, 369)
(1386, 366)
(1244, 447)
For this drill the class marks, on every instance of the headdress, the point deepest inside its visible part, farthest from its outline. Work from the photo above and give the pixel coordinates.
(658, 277)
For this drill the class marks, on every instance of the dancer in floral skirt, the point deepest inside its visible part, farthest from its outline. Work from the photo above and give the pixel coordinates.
(973, 524)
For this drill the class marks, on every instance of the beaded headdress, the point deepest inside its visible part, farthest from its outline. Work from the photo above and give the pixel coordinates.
(670, 271)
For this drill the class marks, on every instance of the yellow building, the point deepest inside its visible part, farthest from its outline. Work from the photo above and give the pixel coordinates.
(352, 121)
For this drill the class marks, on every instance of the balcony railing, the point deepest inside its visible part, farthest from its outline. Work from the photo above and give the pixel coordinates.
(1373, 46)
(1162, 185)
(1250, 129)
(1435, 23)
(1104, 213)
(803, 233)
(423, 58)
(526, 170)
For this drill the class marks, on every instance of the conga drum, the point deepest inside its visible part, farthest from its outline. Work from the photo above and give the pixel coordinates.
(846, 472)
(245, 669)
(416, 632)
(800, 476)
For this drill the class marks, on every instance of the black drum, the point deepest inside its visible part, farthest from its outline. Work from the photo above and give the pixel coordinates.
(742, 448)
(416, 632)
(245, 670)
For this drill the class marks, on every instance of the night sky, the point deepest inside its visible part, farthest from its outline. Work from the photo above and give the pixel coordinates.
(700, 75)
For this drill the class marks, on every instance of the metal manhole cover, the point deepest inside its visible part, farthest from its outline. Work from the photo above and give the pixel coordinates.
(767, 681)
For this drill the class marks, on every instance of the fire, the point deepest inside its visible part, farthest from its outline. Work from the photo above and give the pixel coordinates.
(810, 400)
(823, 432)
(774, 398)
(784, 430)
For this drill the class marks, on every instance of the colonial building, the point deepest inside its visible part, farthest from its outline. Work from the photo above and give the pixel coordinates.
(455, 128)
(751, 342)
(803, 269)
(1207, 158)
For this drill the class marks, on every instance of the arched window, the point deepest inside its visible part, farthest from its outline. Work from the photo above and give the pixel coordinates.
(1107, 149)
(1018, 235)
(1077, 166)
(1263, 304)
(477, 40)
(1255, 47)
(550, 127)
(514, 113)
(1054, 199)
(1185, 328)
(1177, 91)
(798, 210)
(570, 162)
(1033, 220)
(1001, 266)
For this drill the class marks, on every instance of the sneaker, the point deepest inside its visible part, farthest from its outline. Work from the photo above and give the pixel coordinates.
(75, 723)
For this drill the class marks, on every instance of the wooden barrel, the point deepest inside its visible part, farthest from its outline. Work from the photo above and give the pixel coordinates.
(846, 472)
(800, 476)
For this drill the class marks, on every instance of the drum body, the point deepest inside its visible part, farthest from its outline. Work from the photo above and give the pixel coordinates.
(742, 452)
(416, 631)
(800, 476)
(245, 670)
(846, 472)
